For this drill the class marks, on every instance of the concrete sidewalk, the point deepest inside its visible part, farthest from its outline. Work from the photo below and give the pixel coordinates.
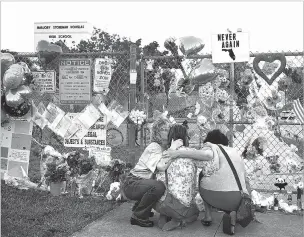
(117, 223)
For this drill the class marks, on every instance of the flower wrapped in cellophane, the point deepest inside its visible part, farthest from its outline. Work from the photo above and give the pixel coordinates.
(138, 117)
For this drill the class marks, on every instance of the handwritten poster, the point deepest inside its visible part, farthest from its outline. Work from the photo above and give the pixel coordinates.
(45, 81)
(102, 76)
(102, 155)
(75, 81)
(95, 136)
(16, 138)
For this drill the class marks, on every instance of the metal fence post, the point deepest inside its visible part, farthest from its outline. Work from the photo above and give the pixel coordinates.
(142, 98)
(231, 104)
(132, 98)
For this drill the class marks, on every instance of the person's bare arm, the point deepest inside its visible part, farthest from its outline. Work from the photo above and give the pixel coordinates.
(205, 154)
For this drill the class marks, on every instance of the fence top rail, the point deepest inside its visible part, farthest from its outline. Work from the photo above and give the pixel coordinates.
(210, 56)
(93, 54)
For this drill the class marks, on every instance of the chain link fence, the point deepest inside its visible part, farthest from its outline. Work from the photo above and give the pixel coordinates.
(117, 138)
(163, 76)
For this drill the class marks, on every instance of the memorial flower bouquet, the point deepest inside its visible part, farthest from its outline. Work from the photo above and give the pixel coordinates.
(80, 164)
(57, 170)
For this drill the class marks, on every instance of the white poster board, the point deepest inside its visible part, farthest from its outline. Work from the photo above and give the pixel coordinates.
(16, 139)
(230, 47)
(75, 81)
(95, 137)
(102, 75)
(45, 81)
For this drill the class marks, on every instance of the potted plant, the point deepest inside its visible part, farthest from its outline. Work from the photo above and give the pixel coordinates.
(56, 175)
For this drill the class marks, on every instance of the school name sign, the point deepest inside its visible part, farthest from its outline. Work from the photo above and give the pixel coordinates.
(230, 47)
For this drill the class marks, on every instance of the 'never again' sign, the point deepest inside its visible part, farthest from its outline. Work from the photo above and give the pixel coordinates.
(230, 47)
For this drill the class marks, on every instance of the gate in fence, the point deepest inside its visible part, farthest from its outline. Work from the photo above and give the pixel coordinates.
(234, 98)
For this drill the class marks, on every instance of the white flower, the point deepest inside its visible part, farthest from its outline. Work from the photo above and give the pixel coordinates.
(197, 108)
(201, 120)
(189, 115)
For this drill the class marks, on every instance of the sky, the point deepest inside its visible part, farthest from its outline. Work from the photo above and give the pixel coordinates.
(272, 26)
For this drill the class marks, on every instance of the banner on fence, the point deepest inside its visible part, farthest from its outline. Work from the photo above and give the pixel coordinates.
(230, 47)
(102, 155)
(45, 81)
(103, 74)
(75, 81)
(16, 138)
(95, 136)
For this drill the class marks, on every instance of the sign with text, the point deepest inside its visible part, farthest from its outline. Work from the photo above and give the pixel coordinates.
(45, 81)
(70, 33)
(230, 47)
(16, 138)
(103, 74)
(102, 155)
(75, 81)
(96, 136)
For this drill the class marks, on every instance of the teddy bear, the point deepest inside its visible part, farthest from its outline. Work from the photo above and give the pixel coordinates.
(274, 165)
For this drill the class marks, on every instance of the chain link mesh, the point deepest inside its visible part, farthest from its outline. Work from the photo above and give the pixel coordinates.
(161, 73)
(117, 138)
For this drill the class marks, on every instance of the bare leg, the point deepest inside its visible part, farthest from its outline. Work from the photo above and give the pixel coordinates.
(233, 220)
(208, 214)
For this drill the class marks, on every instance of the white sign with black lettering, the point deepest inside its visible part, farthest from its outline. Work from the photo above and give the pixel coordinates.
(102, 76)
(230, 47)
(45, 81)
(96, 136)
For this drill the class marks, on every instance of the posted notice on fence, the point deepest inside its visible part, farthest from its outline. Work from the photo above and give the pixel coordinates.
(102, 75)
(230, 47)
(75, 81)
(102, 155)
(45, 81)
(95, 137)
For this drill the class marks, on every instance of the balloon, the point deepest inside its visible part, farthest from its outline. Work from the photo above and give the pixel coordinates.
(6, 61)
(13, 98)
(190, 45)
(25, 67)
(18, 111)
(24, 91)
(13, 76)
(205, 72)
(44, 45)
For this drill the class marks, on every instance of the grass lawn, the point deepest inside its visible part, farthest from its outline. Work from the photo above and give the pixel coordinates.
(35, 213)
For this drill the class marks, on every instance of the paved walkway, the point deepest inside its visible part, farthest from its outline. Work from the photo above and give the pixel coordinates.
(117, 223)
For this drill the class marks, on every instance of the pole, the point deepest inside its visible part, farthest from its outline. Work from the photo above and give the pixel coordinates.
(132, 100)
(231, 104)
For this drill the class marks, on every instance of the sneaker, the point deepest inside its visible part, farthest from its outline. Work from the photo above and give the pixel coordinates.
(141, 223)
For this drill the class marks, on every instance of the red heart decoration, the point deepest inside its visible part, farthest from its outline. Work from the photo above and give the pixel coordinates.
(269, 58)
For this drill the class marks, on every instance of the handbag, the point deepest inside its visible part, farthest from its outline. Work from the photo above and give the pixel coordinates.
(173, 208)
(244, 214)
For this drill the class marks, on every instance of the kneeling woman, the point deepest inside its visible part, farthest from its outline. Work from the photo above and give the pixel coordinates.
(140, 185)
(218, 189)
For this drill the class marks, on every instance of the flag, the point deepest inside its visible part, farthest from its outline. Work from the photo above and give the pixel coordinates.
(298, 110)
